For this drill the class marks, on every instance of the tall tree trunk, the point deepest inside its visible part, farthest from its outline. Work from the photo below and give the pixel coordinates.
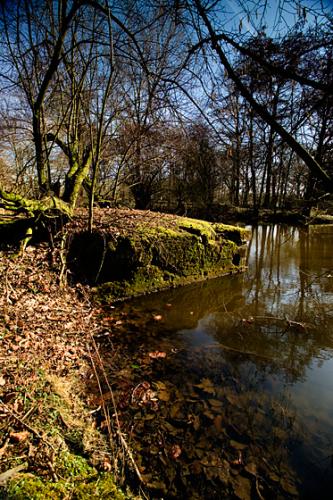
(41, 163)
(310, 162)
(251, 161)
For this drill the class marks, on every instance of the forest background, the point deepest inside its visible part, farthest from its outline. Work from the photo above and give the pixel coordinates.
(179, 106)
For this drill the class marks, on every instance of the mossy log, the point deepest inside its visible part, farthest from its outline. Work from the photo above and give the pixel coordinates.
(23, 216)
(154, 256)
(32, 207)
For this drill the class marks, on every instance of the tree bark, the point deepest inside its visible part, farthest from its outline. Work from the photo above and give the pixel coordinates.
(310, 162)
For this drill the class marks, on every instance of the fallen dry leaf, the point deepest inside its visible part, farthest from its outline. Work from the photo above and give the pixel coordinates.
(157, 354)
(107, 467)
(164, 395)
(3, 448)
(19, 437)
(175, 451)
(206, 385)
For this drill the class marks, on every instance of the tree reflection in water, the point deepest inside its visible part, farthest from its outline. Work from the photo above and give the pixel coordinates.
(245, 388)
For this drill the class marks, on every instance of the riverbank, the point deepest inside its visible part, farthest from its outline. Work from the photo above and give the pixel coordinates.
(61, 434)
(300, 216)
(133, 252)
(50, 446)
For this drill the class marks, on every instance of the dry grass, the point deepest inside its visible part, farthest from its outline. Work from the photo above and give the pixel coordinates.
(47, 356)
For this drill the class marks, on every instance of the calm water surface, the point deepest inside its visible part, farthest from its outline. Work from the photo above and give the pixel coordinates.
(246, 388)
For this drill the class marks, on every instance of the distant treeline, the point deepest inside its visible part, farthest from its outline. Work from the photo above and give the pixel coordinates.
(168, 105)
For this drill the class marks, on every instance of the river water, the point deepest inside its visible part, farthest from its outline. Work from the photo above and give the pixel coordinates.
(233, 377)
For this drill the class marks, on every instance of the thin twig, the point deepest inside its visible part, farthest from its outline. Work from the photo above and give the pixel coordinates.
(119, 433)
(27, 426)
(32, 409)
(258, 490)
(106, 414)
(7, 287)
(130, 455)
(63, 259)
(102, 259)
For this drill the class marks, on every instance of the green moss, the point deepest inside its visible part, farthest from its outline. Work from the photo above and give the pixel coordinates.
(233, 233)
(198, 227)
(73, 437)
(70, 465)
(176, 262)
(96, 486)
(158, 231)
(103, 487)
(28, 487)
(168, 252)
(146, 279)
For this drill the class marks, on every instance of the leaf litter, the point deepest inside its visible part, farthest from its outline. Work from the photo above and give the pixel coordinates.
(188, 435)
(48, 415)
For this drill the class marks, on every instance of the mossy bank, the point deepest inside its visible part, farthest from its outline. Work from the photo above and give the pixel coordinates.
(65, 457)
(136, 252)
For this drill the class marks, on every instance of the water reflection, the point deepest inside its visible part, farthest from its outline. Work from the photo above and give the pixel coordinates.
(290, 267)
(249, 362)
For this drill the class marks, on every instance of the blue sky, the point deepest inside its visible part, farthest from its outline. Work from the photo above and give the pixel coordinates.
(276, 16)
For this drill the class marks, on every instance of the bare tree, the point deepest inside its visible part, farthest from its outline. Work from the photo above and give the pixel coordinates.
(54, 53)
(202, 23)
